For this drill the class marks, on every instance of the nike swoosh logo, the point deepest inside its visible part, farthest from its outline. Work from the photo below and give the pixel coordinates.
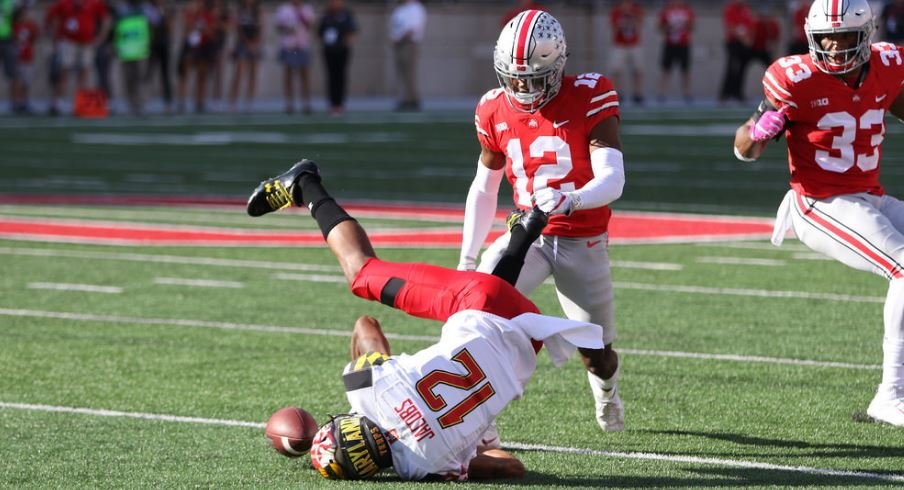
(880, 98)
(557, 124)
(593, 243)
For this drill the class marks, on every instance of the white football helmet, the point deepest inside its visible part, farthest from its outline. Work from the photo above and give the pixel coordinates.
(530, 59)
(840, 16)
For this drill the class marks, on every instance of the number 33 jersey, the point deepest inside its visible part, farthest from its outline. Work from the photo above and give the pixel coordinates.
(835, 132)
(433, 406)
(551, 147)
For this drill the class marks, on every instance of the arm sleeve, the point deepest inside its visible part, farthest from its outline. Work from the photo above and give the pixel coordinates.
(480, 210)
(607, 183)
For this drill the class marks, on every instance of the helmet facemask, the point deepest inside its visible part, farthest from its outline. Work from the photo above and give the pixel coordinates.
(529, 59)
(854, 18)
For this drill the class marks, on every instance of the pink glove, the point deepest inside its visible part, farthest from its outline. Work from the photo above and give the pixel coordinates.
(770, 124)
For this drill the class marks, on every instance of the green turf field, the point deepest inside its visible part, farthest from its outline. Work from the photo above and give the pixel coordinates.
(135, 367)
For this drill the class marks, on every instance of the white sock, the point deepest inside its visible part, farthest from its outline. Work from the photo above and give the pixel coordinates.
(893, 341)
(597, 383)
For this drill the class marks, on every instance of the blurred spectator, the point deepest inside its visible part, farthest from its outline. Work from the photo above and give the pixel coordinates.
(103, 56)
(407, 26)
(199, 21)
(132, 40)
(294, 21)
(336, 30)
(26, 32)
(8, 51)
(798, 43)
(221, 26)
(520, 6)
(160, 18)
(766, 36)
(676, 22)
(246, 53)
(626, 20)
(739, 23)
(892, 22)
(77, 26)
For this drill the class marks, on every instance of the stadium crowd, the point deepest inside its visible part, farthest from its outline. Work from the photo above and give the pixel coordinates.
(215, 47)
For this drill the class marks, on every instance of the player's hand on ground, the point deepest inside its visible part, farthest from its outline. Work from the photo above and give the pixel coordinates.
(770, 124)
(552, 201)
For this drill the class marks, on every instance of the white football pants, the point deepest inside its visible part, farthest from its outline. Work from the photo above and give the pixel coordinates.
(865, 232)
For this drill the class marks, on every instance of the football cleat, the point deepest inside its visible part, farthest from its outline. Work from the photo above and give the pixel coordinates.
(887, 410)
(610, 411)
(281, 191)
(533, 222)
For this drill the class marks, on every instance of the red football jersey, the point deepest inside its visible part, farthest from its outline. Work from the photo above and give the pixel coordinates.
(551, 147)
(676, 21)
(77, 21)
(626, 24)
(835, 132)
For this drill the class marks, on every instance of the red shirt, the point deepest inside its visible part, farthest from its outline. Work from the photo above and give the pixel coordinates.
(626, 24)
(76, 20)
(766, 32)
(551, 147)
(200, 26)
(798, 34)
(835, 132)
(739, 22)
(677, 22)
(25, 32)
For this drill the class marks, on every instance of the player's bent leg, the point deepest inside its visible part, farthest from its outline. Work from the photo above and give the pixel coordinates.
(428, 291)
(368, 337)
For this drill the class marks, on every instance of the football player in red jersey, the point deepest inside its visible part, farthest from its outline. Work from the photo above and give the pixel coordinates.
(831, 106)
(556, 139)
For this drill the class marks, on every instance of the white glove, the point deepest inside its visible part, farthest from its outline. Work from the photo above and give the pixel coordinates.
(552, 201)
(467, 264)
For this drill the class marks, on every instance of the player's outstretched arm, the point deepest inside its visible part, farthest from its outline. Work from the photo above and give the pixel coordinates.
(745, 148)
(480, 206)
(368, 337)
(495, 464)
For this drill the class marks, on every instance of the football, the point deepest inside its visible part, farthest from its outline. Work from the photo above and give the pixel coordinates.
(291, 431)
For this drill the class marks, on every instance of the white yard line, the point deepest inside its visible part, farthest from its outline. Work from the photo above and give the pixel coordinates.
(198, 283)
(652, 266)
(754, 293)
(168, 259)
(310, 278)
(82, 288)
(670, 458)
(177, 322)
(742, 261)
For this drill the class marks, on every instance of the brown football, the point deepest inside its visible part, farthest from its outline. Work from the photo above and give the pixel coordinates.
(291, 430)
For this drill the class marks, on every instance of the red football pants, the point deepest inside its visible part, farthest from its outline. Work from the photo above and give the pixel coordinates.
(428, 291)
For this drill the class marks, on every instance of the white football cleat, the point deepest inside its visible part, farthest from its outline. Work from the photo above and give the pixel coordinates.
(610, 411)
(888, 410)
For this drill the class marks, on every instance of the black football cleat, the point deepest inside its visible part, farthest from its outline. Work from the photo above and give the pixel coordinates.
(281, 191)
(533, 221)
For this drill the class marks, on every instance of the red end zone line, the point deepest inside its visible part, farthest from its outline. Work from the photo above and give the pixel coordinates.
(625, 228)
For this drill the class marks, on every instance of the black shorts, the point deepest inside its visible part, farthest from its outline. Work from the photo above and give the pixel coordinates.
(676, 54)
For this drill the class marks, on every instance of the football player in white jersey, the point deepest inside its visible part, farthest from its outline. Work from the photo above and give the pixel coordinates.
(831, 107)
(556, 139)
(427, 414)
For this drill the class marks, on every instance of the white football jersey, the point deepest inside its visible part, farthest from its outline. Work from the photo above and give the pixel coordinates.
(434, 405)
